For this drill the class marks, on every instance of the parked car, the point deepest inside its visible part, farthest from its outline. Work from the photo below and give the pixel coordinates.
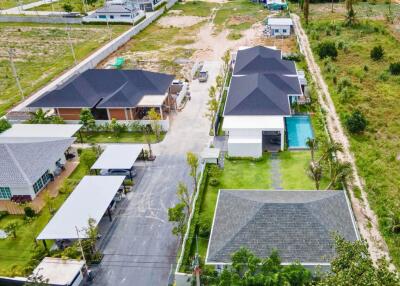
(203, 75)
(119, 172)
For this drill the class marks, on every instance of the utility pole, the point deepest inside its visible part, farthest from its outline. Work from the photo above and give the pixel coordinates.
(109, 29)
(11, 54)
(68, 29)
(80, 246)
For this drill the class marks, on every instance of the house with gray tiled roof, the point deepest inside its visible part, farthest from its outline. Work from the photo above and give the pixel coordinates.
(300, 225)
(27, 165)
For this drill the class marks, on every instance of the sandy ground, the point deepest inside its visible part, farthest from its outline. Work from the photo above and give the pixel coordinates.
(179, 21)
(366, 218)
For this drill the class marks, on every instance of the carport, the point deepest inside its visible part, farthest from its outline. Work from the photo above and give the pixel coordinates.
(118, 157)
(90, 199)
(42, 130)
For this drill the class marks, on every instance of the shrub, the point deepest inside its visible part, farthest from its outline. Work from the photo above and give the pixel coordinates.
(377, 53)
(356, 122)
(88, 157)
(214, 182)
(394, 68)
(346, 94)
(344, 82)
(384, 76)
(4, 125)
(29, 212)
(3, 214)
(327, 49)
(204, 227)
(214, 171)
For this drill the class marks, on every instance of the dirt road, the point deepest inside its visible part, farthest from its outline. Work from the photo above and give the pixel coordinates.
(366, 218)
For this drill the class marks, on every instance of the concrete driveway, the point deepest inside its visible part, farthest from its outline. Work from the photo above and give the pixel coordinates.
(139, 249)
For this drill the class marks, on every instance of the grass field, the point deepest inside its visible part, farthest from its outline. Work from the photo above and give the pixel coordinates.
(7, 4)
(15, 254)
(77, 6)
(42, 53)
(375, 93)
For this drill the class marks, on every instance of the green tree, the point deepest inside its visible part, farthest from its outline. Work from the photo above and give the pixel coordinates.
(193, 162)
(91, 2)
(39, 117)
(155, 118)
(57, 120)
(315, 172)
(67, 7)
(394, 68)
(353, 265)
(225, 59)
(339, 172)
(351, 14)
(185, 197)
(11, 228)
(177, 215)
(312, 144)
(377, 53)
(87, 119)
(212, 104)
(356, 122)
(327, 49)
(4, 125)
(148, 132)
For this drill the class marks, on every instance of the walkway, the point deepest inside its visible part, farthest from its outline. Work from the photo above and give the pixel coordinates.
(275, 172)
(140, 248)
(366, 218)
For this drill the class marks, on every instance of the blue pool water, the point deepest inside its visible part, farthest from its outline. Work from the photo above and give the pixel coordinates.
(299, 129)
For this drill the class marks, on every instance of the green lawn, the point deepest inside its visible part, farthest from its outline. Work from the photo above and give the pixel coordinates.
(376, 94)
(15, 254)
(77, 6)
(195, 8)
(7, 4)
(109, 137)
(42, 53)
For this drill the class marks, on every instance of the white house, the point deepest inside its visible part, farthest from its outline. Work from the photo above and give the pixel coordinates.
(279, 26)
(116, 13)
(27, 165)
(260, 94)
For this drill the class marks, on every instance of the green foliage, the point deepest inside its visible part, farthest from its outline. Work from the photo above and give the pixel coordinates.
(67, 7)
(214, 182)
(204, 227)
(214, 171)
(3, 214)
(193, 163)
(353, 265)
(11, 229)
(394, 68)
(327, 49)
(87, 119)
(4, 125)
(87, 158)
(117, 128)
(177, 215)
(377, 53)
(29, 212)
(155, 124)
(356, 122)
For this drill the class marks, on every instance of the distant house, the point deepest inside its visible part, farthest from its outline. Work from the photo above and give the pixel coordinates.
(111, 94)
(115, 13)
(279, 26)
(27, 165)
(300, 225)
(276, 4)
(148, 5)
(260, 95)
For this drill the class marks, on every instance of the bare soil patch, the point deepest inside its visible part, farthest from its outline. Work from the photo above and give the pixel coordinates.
(180, 21)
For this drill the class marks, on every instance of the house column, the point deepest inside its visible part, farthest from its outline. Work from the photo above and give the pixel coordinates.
(282, 139)
(161, 113)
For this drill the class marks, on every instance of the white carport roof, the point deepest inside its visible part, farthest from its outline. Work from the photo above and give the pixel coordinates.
(152, 100)
(118, 156)
(90, 199)
(42, 130)
(210, 153)
(254, 122)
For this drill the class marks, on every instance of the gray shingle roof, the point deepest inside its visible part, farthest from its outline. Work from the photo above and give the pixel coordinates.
(261, 94)
(24, 160)
(123, 9)
(106, 88)
(299, 224)
(262, 60)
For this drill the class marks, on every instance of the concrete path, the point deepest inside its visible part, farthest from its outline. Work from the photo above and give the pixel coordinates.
(140, 248)
(275, 172)
(366, 218)
(21, 10)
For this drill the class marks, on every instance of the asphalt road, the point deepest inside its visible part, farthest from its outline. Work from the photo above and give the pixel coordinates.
(139, 249)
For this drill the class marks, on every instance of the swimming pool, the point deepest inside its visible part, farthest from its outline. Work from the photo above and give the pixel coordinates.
(299, 129)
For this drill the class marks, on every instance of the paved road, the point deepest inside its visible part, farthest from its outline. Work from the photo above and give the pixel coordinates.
(21, 10)
(139, 249)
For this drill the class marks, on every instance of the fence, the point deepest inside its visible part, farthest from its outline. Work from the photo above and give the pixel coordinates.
(93, 60)
(163, 123)
(40, 19)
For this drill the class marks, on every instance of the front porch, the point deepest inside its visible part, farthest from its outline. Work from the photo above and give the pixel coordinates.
(51, 191)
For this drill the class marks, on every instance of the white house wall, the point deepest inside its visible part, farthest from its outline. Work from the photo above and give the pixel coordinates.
(244, 149)
(22, 191)
(280, 30)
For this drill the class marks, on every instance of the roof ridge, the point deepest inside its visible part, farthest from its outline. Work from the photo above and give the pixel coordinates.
(110, 96)
(11, 153)
(260, 79)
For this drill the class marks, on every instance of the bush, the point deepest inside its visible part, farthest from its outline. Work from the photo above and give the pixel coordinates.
(377, 53)
(204, 227)
(29, 212)
(346, 94)
(344, 82)
(356, 122)
(88, 157)
(214, 171)
(4, 125)
(394, 68)
(3, 214)
(214, 182)
(327, 49)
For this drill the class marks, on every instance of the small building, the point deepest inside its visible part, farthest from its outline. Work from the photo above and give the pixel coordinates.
(111, 94)
(60, 272)
(300, 225)
(117, 12)
(148, 5)
(279, 27)
(27, 165)
(276, 5)
(210, 155)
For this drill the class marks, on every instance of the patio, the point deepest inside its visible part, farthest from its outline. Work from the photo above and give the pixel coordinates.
(40, 201)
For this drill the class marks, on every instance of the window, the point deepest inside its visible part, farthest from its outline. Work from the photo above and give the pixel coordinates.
(276, 30)
(128, 16)
(284, 31)
(41, 182)
(111, 16)
(102, 16)
(5, 193)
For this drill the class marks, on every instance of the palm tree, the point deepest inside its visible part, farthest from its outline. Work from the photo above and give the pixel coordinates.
(40, 116)
(393, 222)
(351, 14)
(315, 171)
(339, 172)
(312, 144)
